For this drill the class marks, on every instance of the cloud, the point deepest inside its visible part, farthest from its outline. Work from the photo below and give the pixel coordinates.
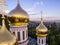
(7, 11)
(33, 14)
(38, 3)
(32, 9)
(41, 2)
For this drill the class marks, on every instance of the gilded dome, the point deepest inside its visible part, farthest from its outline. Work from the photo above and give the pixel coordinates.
(6, 38)
(18, 16)
(41, 30)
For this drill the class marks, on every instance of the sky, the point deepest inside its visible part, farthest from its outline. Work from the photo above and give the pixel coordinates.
(50, 8)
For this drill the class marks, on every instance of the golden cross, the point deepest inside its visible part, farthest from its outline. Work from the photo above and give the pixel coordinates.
(41, 17)
(3, 5)
(19, 1)
(3, 12)
(2, 2)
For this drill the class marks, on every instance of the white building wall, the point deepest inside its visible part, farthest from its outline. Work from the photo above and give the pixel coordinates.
(40, 42)
(20, 29)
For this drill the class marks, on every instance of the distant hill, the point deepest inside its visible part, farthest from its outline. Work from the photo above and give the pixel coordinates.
(46, 19)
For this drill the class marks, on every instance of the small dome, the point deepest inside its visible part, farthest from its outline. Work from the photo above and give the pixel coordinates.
(6, 37)
(41, 30)
(18, 16)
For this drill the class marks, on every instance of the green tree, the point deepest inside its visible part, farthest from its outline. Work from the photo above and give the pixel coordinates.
(51, 38)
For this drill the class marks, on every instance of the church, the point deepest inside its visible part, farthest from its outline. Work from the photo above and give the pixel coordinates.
(18, 21)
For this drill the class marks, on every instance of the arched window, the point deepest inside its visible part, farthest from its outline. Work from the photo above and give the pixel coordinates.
(39, 40)
(42, 41)
(23, 35)
(14, 33)
(18, 36)
(26, 33)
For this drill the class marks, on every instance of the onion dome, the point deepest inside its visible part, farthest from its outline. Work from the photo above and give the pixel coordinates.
(6, 37)
(18, 16)
(41, 30)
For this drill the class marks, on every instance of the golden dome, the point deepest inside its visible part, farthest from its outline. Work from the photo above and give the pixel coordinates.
(6, 37)
(41, 30)
(18, 16)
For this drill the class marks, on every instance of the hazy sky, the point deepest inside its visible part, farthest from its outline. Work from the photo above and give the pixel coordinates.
(51, 8)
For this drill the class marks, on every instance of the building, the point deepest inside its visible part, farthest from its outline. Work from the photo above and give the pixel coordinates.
(18, 20)
(41, 32)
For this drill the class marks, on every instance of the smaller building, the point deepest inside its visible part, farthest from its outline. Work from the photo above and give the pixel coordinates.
(41, 32)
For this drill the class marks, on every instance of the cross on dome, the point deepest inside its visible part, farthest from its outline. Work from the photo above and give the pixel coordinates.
(41, 17)
(18, 1)
(3, 5)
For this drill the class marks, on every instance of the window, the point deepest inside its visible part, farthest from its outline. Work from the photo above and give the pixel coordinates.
(18, 36)
(42, 41)
(14, 33)
(26, 33)
(39, 40)
(23, 35)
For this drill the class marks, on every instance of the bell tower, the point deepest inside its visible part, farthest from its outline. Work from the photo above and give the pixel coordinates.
(41, 32)
(18, 21)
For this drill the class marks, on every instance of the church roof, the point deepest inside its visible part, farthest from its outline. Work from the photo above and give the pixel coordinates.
(42, 26)
(18, 11)
(18, 16)
(6, 37)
